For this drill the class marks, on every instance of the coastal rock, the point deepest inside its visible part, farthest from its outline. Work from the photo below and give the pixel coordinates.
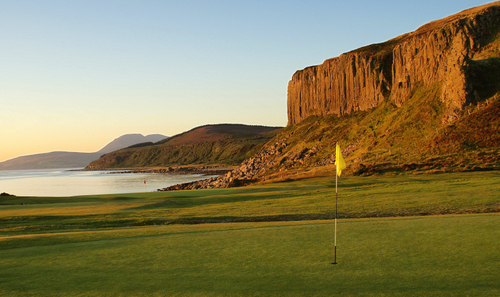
(246, 173)
(340, 85)
(438, 52)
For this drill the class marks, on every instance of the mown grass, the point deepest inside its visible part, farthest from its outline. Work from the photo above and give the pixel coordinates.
(266, 240)
(418, 256)
(308, 199)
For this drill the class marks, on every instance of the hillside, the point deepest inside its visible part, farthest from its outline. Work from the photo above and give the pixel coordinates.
(54, 160)
(421, 132)
(226, 144)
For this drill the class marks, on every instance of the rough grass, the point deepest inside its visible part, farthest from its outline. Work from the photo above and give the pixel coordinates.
(392, 140)
(211, 144)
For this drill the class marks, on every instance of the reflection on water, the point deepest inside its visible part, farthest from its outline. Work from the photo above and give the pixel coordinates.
(66, 182)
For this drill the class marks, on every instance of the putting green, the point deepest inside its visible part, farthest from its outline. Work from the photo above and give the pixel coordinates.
(415, 256)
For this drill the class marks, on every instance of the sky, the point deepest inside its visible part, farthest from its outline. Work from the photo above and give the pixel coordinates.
(74, 75)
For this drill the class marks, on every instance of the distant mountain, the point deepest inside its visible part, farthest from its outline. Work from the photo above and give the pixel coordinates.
(50, 160)
(58, 159)
(128, 140)
(211, 144)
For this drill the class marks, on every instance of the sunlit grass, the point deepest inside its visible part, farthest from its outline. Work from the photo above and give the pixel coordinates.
(431, 256)
(73, 209)
(266, 240)
(472, 192)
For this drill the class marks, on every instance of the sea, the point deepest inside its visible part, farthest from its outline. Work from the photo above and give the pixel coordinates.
(74, 182)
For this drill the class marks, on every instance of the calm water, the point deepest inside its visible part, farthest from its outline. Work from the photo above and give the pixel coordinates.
(66, 182)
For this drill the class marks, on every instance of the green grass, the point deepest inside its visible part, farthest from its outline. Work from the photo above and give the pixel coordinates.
(266, 240)
(308, 199)
(419, 256)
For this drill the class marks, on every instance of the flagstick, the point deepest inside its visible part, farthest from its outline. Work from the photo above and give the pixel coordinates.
(335, 236)
(339, 165)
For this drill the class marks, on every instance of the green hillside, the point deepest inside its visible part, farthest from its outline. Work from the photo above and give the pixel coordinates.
(390, 139)
(226, 144)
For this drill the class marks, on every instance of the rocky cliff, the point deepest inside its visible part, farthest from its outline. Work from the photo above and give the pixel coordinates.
(412, 87)
(446, 52)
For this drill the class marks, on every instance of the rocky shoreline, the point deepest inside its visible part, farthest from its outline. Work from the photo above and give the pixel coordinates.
(247, 173)
(204, 170)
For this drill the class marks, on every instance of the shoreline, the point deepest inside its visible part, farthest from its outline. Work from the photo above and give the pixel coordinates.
(77, 182)
(204, 170)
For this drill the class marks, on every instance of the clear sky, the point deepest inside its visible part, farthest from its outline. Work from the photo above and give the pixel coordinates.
(74, 75)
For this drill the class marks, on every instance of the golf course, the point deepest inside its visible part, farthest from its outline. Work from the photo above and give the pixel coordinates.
(401, 235)
(315, 148)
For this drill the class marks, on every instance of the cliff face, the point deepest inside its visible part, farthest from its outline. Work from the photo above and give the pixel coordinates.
(438, 52)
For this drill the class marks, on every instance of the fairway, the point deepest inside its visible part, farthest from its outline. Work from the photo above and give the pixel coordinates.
(268, 240)
(431, 256)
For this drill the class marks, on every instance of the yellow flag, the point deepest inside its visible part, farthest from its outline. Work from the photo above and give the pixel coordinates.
(339, 161)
